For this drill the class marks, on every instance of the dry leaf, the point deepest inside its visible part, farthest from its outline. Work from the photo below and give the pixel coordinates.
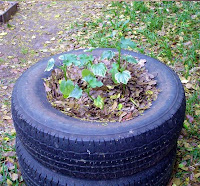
(7, 117)
(14, 176)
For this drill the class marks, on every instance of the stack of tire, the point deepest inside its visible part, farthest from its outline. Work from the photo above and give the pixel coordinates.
(54, 149)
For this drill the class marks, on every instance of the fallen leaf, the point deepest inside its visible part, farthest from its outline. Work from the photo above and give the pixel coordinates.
(57, 16)
(14, 176)
(33, 37)
(114, 106)
(3, 33)
(188, 85)
(182, 166)
(197, 112)
(7, 117)
(177, 181)
(9, 182)
(61, 32)
(197, 175)
(4, 87)
(122, 115)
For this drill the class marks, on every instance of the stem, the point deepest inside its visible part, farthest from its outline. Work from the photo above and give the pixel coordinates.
(65, 72)
(88, 92)
(126, 64)
(119, 58)
(124, 88)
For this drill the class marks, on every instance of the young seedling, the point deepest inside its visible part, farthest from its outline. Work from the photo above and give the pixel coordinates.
(67, 87)
(119, 72)
(92, 82)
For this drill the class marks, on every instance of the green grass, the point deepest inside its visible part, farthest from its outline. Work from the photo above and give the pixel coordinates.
(9, 169)
(168, 31)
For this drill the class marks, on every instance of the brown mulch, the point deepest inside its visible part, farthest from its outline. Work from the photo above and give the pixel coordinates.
(138, 95)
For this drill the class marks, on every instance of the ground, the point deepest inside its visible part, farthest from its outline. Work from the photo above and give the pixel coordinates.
(166, 31)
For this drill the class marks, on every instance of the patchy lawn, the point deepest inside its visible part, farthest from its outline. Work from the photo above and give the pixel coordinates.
(167, 31)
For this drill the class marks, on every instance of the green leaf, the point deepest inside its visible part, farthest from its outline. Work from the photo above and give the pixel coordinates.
(99, 69)
(86, 72)
(66, 87)
(85, 59)
(76, 93)
(50, 65)
(92, 81)
(108, 54)
(115, 66)
(123, 77)
(95, 83)
(125, 43)
(88, 78)
(77, 63)
(99, 102)
(68, 59)
(130, 59)
(113, 71)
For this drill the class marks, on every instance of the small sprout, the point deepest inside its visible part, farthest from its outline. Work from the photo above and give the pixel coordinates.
(118, 71)
(50, 65)
(123, 77)
(99, 69)
(99, 102)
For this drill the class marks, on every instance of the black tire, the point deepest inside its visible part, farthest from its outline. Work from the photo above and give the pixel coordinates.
(90, 150)
(36, 174)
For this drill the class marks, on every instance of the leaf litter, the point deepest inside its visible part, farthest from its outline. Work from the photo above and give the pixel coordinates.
(175, 43)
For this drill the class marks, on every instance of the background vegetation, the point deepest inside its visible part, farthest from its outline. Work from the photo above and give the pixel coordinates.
(168, 31)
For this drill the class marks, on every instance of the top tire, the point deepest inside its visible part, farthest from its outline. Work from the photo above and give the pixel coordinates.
(91, 150)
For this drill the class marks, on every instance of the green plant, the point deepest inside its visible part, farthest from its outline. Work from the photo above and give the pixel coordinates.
(91, 70)
(24, 50)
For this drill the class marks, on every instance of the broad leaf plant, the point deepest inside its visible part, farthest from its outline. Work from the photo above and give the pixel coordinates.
(91, 71)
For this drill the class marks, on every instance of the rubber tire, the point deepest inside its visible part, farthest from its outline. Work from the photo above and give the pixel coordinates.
(91, 150)
(36, 174)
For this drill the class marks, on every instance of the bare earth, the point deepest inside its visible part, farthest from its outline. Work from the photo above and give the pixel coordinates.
(39, 29)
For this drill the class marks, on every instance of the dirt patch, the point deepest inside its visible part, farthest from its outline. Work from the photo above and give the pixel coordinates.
(4, 6)
(39, 29)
